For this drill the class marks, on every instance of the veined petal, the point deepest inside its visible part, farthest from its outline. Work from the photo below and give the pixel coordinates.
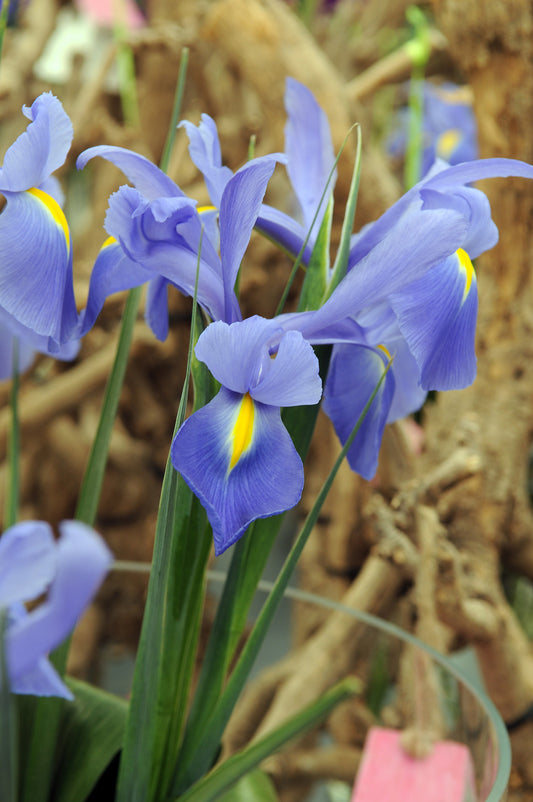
(27, 561)
(28, 343)
(353, 374)
(204, 150)
(437, 316)
(255, 356)
(36, 278)
(239, 207)
(309, 150)
(82, 561)
(141, 172)
(265, 479)
(41, 149)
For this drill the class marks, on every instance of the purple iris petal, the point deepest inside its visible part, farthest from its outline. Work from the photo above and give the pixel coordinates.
(144, 175)
(239, 207)
(284, 231)
(204, 150)
(240, 357)
(27, 561)
(41, 149)
(441, 342)
(164, 238)
(113, 271)
(82, 559)
(36, 283)
(408, 394)
(156, 313)
(353, 374)
(309, 150)
(266, 480)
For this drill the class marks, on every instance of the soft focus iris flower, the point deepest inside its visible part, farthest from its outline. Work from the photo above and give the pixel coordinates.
(449, 128)
(35, 251)
(235, 453)
(70, 570)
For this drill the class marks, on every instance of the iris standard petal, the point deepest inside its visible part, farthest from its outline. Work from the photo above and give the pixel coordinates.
(141, 172)
(353, 374)
(204, 150)
(41, 680)
(239, 207)
(290, 377)
(36, 278)
(27, 561)
(469, 172)
(309, 150)
(156, 313)
(82, 561)
(41, 149)
(284, 231)
(437, 316)
(237, 457)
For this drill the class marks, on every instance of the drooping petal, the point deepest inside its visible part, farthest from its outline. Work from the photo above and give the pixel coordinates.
(82, 561)
(309, 150)
(266, 473)
(41, 679)
(437, 316)
(353, 374)
(141, 172)
(239, 207)
(156, 314)
(204, 150)
(254, 355)
(27, 561)
(408, 394)
(27, 344)
(36, 279)
(112, 272)
(41, 149)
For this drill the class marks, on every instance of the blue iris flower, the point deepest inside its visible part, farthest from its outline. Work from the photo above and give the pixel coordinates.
(70, 570)
(155, 233)
(235, 453)
(449, 128)
(36, 287)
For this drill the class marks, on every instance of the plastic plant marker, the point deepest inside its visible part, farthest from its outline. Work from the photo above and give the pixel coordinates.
(388, 772)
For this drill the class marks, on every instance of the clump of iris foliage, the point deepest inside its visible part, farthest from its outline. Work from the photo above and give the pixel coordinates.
(391, 318)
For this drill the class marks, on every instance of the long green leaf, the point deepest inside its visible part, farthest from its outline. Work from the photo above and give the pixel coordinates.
(92, 730)
(8, 725)
(227, 773)
(256, 786)
(201, 747)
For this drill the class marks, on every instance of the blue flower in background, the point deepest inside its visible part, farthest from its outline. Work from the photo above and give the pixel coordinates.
(449, 128)
(36, 286)
(235, 453)
(70, 570)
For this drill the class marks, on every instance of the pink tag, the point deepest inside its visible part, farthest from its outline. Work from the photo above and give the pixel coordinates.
(388, 774)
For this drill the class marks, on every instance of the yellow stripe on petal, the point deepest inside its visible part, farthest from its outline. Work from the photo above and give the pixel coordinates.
(466, 264)
(201, 209)
(241, 436)
(55, 210)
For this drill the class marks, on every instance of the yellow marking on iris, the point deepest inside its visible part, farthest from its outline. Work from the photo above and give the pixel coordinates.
(447, 142)
(241, 436)
(109, 241)
(466, 264)
(55, 210)
(201, 209)
(385, 351)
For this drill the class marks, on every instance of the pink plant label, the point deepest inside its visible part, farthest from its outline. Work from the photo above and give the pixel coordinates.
(389, 774)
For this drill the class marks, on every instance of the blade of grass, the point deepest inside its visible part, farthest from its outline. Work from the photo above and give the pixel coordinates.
(231, 770)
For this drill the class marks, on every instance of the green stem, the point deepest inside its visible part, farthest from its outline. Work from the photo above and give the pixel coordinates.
(13, 483)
